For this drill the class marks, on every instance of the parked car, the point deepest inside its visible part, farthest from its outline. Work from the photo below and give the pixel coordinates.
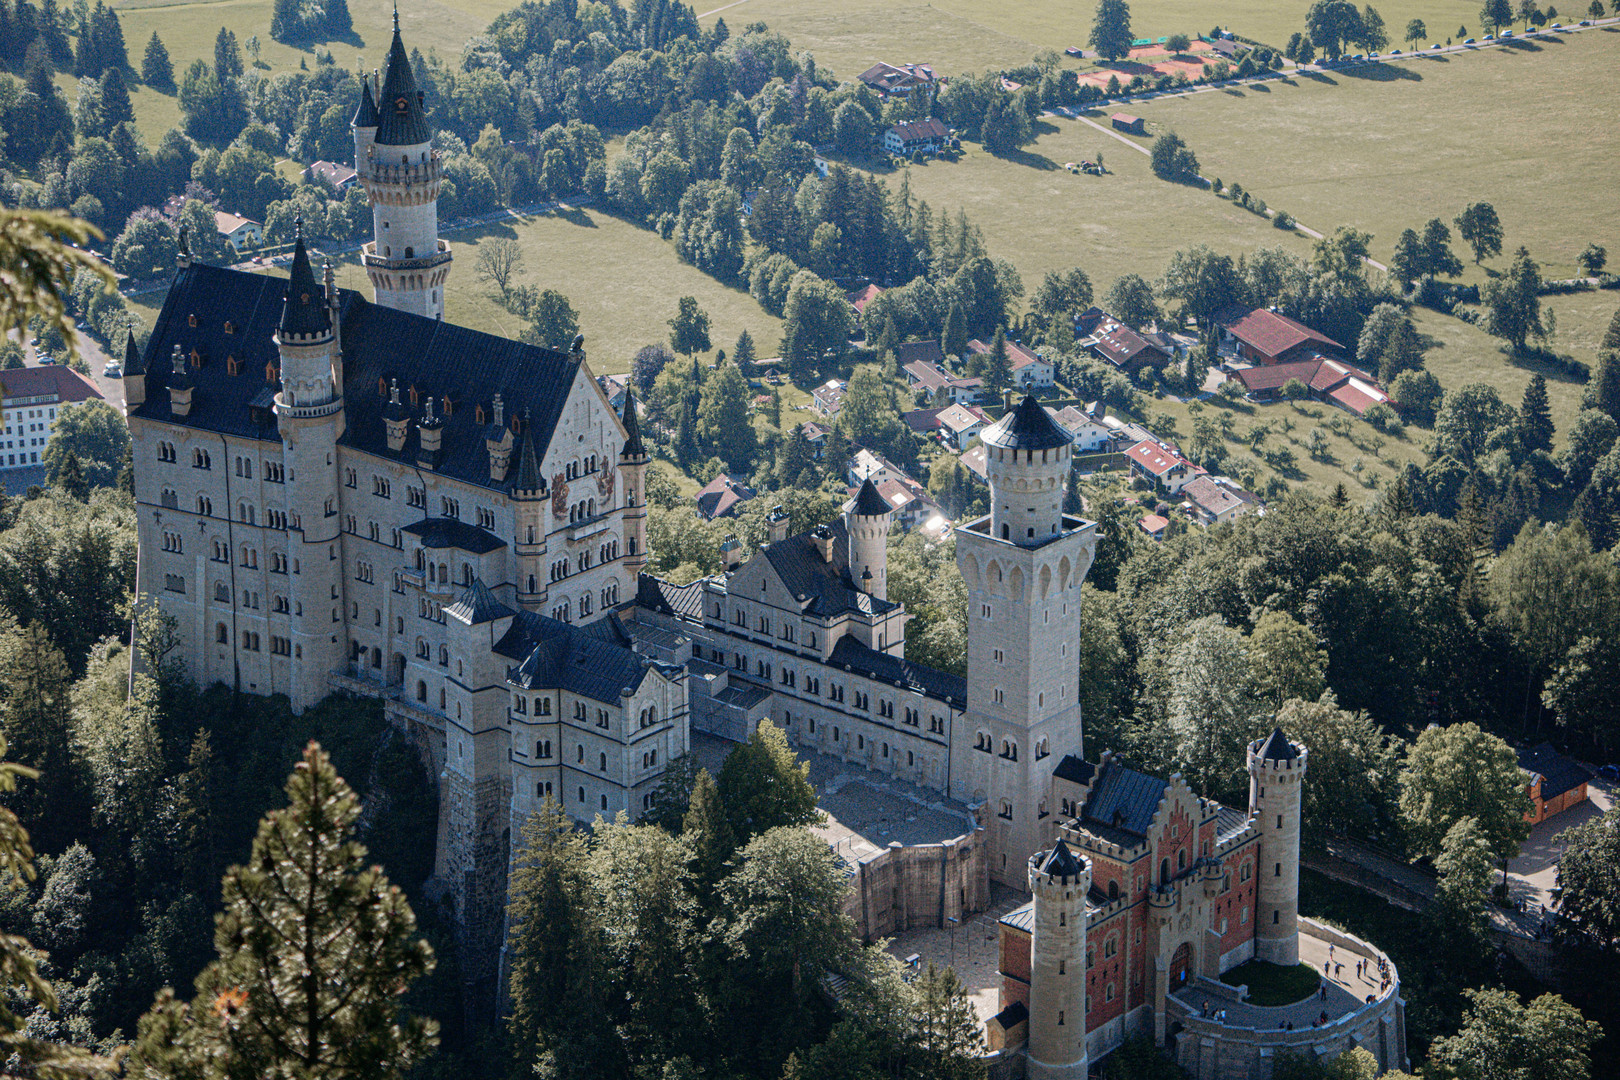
(1436, 45)
(1469, 41)
(1584, 22)
(113, 370)
(1609, 772)
(1507, 33)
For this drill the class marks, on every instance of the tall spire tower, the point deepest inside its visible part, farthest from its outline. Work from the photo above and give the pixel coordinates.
(402, 174)
(1023, 564)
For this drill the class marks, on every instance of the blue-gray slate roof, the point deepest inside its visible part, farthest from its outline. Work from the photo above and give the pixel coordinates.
(822, 587)
(437, 359)
(554, 655)
(440, 532)
(1123, 798)
(401, 120)
(1028, 427)
(862, 660)
(478, 605)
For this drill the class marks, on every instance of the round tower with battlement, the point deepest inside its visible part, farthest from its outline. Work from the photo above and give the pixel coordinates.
(406, 261)
(1060, 880)
(867, 522)
(1276, 773)
(1027, 458)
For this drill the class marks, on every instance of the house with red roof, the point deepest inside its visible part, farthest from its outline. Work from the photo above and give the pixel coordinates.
(1162, 466)
(1333, 381)
(721, 497)
(1125, 349)
(30, 399)
(1154, 525)
(1262, 336)
(861, 297)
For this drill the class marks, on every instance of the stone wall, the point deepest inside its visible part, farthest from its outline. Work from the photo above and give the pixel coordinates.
(1211, 1050)
(902, 887)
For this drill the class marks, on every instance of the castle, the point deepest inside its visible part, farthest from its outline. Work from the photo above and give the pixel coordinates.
(353, 495)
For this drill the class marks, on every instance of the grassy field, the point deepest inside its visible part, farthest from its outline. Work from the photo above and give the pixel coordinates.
(188, 31)
(623, 281)
(970, 35)
(1386, 147)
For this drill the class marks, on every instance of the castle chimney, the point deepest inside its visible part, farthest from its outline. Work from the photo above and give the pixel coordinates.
(396, 418)
(179, 384)
(429, 433)
(776, 525)
(498, 438)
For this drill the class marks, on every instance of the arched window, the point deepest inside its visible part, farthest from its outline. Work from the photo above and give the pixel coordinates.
(221, 635)
(602, 764)
(1164, 871)
(1113, 890)
(421, 690)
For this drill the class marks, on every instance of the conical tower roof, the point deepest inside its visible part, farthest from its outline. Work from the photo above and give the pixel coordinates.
(366, 115)
(1028, 427)
(305, 312)
(1278, 748)
(133, 364)
(633, 446)
(1061, 863)
(528, 476)
(401, 120)
(868, 503)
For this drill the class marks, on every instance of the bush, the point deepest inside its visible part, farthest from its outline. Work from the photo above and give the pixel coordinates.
(1383, 418)
(1282, 220)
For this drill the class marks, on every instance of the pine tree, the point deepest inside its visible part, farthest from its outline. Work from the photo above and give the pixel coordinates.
(1072, 503)
(338, 20)
(948, 1030)
(997, 369)
(115, 104)
(18, 960)
(1535, 416)
(743, 354)
(954, 338)
(286, 21)
(156, 69)
(708, 832)
(557, 965)
(70, 477)
(314, 950)
(763, 785)
(38, 726)
(227, 56)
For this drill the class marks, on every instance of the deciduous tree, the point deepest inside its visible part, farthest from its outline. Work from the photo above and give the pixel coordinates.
(1504, 1039)
(1111, 29)
(1461, 771)
(1478, 224)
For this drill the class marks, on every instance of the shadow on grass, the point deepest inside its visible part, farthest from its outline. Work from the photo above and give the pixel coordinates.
(1524, 46)
(1548, 365)
(1384, 73)
(1319, 76)
(1233, 91)
(574, 215)
(1024, 157)
(497, 229)
(1260, 88)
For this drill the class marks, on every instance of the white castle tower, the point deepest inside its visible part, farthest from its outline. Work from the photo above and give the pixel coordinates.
(633, 464)
(401, 172)
(867, 523)
(1276, 771)
(1057, 971)
(309, 415)
(1023, 565)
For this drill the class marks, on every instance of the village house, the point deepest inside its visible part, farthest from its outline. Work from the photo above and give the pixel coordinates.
(1333, 381)
(816, 435)
(1153, 525)
(1262, 336)
(1127, 350)
(1090, 434)
(1028, 369)
(240, 232)
(722, 497)
(889, 79)
(923, 364)
(1211, 500)
(916, 136)
(924, 422)
(339, 177)
(1161, 465)
(828, 398)
(614, 387)
(859, 298)
(1557, 782)
(958, 424)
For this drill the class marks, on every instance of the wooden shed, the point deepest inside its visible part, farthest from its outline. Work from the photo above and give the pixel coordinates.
(1133, 124)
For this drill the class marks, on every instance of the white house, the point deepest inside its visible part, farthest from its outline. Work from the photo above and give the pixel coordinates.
(914, 136)
(242, 233)
(1090, 434)
(1163, 466)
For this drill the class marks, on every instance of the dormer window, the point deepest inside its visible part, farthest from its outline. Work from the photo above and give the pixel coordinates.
(191, 320)
(230, 327)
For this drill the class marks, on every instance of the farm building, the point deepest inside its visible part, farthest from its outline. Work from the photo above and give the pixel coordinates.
(1556, 782)
(1262, 336)
(916, 136)
(889, 79)
(1135, 125)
